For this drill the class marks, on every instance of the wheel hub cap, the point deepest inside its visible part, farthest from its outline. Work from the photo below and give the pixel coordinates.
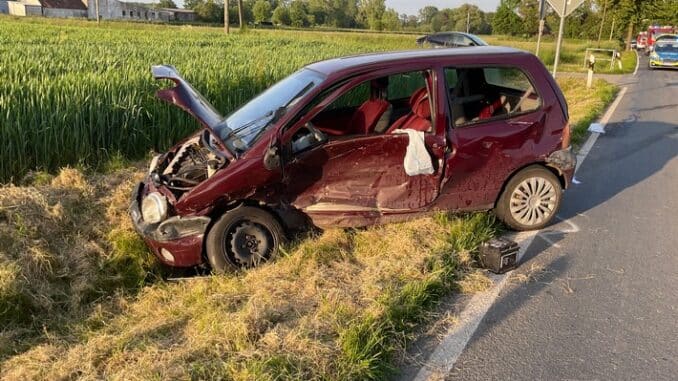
(533, 201)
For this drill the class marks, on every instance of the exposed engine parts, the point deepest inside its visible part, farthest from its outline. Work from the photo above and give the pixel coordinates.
(190, 165)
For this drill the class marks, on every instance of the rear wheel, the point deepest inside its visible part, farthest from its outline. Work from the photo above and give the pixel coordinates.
(243, 238)
(530, 200)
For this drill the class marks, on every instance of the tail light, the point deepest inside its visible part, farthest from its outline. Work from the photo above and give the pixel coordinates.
(566, 136)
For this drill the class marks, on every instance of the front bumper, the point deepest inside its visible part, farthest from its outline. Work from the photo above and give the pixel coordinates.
(177, 241)
(667, 64)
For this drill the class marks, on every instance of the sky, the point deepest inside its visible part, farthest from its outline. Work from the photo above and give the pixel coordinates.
(412, 7)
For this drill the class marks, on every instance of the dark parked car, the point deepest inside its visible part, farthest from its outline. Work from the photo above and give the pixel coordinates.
(450, 40)
(357, 141)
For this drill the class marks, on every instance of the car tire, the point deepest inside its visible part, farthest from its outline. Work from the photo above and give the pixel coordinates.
(530, 200)
(243, 238)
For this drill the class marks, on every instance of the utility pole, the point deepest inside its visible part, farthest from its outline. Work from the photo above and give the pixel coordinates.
(612, 29)
(561, 29)
(240, 14)
(227, 28)
(602, 22)
(542, 15)
(468, 20)
(96, 2)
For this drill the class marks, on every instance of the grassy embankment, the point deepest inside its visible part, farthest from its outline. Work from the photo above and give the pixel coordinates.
(572, 53)
(80, 296)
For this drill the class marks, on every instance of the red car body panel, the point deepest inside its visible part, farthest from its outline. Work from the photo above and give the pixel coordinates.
(358, 181)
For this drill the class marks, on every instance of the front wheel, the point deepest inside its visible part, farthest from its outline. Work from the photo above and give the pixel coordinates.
(530, 200)
(243, 238)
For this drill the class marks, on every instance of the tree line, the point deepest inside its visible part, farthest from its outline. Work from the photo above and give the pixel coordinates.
(594, 18)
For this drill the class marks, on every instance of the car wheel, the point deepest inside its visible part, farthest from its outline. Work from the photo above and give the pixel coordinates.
(243, 238)
(530, 200)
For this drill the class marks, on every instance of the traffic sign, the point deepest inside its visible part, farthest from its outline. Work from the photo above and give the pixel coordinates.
(563, 9)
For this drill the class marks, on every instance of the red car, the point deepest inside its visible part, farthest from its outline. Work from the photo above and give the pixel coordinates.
(357, 141)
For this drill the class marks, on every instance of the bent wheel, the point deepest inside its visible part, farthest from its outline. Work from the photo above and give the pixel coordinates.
(243, 238)
(530, 200)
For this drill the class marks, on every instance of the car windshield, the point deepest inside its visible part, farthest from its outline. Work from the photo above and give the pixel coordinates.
(667, 48)
(242, 128)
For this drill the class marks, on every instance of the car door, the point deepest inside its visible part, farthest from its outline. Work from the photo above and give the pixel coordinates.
(359, 178)
(486, 151)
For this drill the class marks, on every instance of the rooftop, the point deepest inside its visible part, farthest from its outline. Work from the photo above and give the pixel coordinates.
(358, 61)
(64, 4)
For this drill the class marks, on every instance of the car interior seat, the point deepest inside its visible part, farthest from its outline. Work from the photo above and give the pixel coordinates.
(374, 112)
(419, 118)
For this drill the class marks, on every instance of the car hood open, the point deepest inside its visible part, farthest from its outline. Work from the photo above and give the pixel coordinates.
(184, 96)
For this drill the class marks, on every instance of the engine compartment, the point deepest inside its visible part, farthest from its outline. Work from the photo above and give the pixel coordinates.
(189, 165)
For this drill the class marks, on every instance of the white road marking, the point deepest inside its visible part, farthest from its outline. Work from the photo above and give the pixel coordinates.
(445, 355)
(637, 63)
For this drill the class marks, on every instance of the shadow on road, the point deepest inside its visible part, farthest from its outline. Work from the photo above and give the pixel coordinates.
(641, 150)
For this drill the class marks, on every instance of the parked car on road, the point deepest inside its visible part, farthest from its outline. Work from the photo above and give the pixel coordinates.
(357, 141)
(450, 40)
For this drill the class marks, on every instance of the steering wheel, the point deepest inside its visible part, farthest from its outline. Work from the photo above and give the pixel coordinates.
(206, 139)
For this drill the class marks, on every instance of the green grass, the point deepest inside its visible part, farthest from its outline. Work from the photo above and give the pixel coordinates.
(585, 106)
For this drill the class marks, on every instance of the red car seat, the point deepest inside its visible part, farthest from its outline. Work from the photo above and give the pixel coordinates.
(419, 119)
(367, 116)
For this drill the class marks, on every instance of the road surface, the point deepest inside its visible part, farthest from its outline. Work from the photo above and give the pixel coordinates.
(601, 301)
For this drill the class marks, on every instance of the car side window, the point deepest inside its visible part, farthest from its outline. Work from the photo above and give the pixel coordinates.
(378, 106)
(479, 94)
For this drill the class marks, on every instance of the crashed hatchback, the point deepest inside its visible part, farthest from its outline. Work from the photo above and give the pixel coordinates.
(357, 141)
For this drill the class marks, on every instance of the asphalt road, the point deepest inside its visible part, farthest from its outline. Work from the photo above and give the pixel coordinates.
(599, 302)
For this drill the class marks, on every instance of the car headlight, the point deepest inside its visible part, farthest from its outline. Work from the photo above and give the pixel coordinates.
(154, 208)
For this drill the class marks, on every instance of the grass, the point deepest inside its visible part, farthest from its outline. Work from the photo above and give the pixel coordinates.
(572, 53)
(585, 105)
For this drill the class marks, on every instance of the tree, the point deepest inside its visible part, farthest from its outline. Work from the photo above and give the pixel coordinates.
(371, 12)
(529, 11)
(241, 21)
(298, 14)
(391, 21)
(281, 15)
(166, 4)
(209, 11)
(427, 14)
(262, 11)
(227, 19)
(505, 20)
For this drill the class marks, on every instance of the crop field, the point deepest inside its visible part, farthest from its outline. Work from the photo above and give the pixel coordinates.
(72, 93)
(81, 297)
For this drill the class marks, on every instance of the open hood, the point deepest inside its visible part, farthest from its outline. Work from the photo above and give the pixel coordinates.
(186, 97)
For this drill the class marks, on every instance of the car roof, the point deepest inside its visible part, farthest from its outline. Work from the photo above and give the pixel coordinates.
(385, 59)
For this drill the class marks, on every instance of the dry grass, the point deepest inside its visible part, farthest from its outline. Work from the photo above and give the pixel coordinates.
(338, 305)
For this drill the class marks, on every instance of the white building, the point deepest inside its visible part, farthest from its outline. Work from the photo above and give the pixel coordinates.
(47, 8)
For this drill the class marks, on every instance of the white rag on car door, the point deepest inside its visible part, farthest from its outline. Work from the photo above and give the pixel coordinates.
(417, 159)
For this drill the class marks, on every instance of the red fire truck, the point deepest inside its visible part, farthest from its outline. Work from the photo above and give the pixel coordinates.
(653, 31)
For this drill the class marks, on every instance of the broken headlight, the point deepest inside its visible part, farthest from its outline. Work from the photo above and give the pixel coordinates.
(154, 208)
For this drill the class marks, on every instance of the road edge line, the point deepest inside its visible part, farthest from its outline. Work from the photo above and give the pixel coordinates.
(448, 350)
(637, 63)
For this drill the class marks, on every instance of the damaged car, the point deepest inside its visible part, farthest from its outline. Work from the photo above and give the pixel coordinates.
(357, 141)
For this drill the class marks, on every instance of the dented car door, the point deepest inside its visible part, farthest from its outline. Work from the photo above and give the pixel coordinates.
(360, 179)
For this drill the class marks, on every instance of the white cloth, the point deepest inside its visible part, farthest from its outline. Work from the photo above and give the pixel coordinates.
(417, 160)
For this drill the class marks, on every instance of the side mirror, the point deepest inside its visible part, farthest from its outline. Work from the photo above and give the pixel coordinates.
(272, 158)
